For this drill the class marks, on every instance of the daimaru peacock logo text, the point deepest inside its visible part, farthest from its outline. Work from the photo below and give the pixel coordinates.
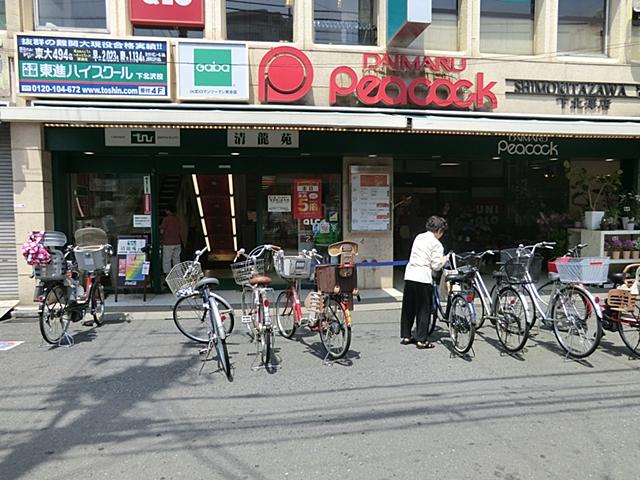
(212, 67)
(530, 145)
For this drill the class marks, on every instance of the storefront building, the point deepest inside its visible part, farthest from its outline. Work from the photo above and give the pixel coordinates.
(301, 123)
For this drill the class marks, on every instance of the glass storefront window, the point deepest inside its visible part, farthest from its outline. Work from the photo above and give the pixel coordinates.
(260, 20)
(506, 26)
(282, 214)
(635, 43)
(442, 34)
(582, 26)
(109, 202)
(3, 16)
(345, 22)
(71, 14)
(170, 32)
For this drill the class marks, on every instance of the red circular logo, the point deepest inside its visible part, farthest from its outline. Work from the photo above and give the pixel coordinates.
(285, 75)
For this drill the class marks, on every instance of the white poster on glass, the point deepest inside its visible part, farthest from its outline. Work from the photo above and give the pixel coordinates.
(370, 199)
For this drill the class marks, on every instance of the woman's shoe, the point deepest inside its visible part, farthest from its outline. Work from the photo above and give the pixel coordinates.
(407, 341)
(425, 345)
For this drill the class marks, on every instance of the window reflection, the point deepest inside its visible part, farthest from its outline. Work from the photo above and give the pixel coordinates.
(345, 22)
(581, 26)
(260, 20)
(442, 34)
(506, 26)
(72, 13)
(169, 32)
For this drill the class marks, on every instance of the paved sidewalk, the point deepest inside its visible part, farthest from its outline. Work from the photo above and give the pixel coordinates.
(374, 299)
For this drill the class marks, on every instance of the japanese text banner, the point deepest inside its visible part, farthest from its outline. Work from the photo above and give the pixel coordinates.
(91, 67)
(307, 198)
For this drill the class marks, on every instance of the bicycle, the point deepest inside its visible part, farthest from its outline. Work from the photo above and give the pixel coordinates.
(571, 310)
(622, 312)
(329, 305)
(62, 299)
(504, 305)
(250, 274)
(459, 314)
(201, 315)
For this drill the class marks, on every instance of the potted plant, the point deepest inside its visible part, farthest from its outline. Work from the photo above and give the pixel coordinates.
(627, 247)
(613, 247)
(611, 219)
(592, 192)
(629, 208)
(636, 248)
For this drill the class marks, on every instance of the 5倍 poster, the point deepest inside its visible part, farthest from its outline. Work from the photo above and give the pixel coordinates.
(307, 198)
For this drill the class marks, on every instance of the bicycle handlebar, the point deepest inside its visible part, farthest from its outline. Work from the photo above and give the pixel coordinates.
(312, 254)
(257, 252)
(532, 248)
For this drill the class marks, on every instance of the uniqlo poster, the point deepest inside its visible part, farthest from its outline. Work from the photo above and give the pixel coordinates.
(307, 198)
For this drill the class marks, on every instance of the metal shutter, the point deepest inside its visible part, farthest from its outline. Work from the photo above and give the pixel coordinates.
(8, 260)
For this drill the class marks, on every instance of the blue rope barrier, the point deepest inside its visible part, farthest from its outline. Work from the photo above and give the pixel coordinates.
(397, 263)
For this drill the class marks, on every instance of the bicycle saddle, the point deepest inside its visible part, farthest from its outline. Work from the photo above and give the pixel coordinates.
(459, 277)
(260, 280)
(207, 281)
(618, 278)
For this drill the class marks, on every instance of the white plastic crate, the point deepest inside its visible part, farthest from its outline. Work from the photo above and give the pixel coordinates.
(593, 270)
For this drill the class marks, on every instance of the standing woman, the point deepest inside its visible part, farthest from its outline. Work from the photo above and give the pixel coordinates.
(427, 255)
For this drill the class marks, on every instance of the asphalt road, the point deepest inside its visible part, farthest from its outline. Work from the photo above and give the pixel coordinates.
(128, 402)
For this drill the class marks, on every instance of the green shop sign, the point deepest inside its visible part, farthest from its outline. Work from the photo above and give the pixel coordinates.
(91, 67)
(213, 71)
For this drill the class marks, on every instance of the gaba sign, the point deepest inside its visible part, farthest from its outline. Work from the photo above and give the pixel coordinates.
(188, 13)
(286, 75)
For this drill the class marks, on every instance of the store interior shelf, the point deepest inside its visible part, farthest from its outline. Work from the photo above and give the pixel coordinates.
(595, 242)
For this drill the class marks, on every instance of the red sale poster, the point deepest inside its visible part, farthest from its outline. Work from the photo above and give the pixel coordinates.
(307, 198)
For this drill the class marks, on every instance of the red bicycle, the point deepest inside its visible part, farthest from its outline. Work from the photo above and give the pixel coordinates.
(328, 306)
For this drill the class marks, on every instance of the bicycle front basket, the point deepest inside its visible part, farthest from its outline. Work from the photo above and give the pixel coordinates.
(183, 275)
(584, 270)
(245, 271)
(293, 267)
(517, 268)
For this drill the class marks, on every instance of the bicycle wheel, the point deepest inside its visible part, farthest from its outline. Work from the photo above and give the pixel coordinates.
(335, 334)
(221, 351)
(266, 347)
(461, 324)
(189, 315)
(630, 334)
(575, 321)
(511, 319)
(52, 320)
(248, 308)
(478, 306)
(97, 304)
(285, 314)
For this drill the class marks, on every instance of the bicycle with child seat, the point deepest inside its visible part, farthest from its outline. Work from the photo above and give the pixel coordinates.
(328, 312)
(622, 310)
(62, 299)
(459, 313)
(200, 314)
(569, 309)
(250, 275)
(504, 305)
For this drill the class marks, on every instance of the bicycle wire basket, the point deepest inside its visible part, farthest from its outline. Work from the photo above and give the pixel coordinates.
(468, 259)
(590, 270)
(517, 268)
(243, 272)
(183, 276)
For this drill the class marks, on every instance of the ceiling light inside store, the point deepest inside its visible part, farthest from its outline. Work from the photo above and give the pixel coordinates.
(535, 167)
(495, 158)
(305, 154)
(373, 155)
(609, 159)
(436, 156)
(554, 159)
(235, 154)
(89, 153)
(450, 164)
